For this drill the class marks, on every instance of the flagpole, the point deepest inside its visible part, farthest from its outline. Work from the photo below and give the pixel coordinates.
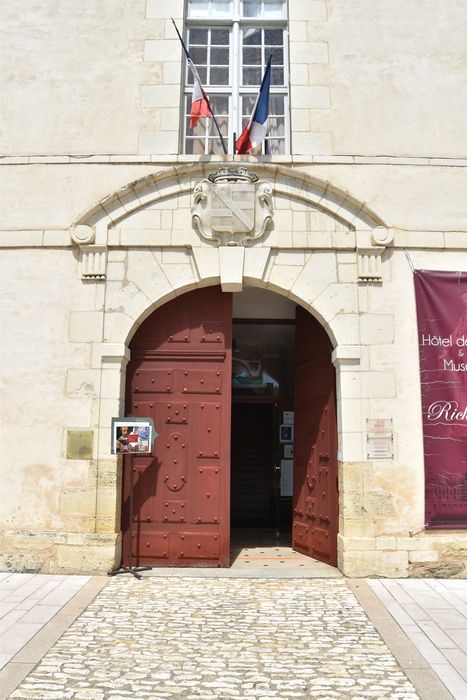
(188, 58)
(224, 147)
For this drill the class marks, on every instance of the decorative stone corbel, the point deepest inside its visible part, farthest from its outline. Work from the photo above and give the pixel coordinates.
(369, 261)
(369, 264)
(93, 262)
(93, 258)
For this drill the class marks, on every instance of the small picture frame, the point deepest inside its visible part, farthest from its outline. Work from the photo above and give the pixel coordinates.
(285, 433)
(288, 451)
(132, 436)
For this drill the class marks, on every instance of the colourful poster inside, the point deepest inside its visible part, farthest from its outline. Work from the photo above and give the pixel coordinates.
(442, 333)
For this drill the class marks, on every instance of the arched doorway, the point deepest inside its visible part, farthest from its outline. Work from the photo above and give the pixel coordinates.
(282, 382)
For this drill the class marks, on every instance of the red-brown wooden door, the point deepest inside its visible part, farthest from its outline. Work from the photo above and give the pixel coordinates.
(180, 375)
(315, 499)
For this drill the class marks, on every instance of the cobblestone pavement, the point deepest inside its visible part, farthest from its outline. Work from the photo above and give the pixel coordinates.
(169, 638)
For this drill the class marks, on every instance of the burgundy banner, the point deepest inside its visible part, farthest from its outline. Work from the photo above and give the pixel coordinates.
(442, 333)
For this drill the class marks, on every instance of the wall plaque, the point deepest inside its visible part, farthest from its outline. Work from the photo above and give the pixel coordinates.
(79, 444)
(379, 438)
(379, 426)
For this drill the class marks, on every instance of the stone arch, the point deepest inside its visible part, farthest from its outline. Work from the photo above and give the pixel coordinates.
(315, 286)
(181, 179)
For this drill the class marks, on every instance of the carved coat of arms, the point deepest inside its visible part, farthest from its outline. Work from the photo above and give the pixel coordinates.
(232, 207)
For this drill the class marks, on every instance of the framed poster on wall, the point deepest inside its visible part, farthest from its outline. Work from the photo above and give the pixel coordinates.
(285, 433)
(132, 435)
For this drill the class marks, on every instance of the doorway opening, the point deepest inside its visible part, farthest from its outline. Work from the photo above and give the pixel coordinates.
(263, 337)
(254, 417)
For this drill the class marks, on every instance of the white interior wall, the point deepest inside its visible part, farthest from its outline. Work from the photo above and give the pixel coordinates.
(260, 303)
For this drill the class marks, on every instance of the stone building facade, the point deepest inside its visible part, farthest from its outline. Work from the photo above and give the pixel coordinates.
(97, 233)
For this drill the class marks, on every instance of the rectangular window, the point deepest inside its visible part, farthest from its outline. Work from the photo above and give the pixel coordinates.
(230, 49)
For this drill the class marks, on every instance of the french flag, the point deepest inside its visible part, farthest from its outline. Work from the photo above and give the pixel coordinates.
(255, 131)
(200, 106)
(199, 101)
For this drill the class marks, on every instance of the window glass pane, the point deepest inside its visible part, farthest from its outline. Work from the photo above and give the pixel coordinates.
(276, 127)
(251, 8)
(276, 104)
(220, 57)
(209, 8)
(202, 72)
(221, 9)
(223, 126)
(214, 147)
(220, 37)
(198, 55)
(198, 8)
(199, 129)
(247, 105)
(274, 37)
(273, 9)
(198, 36)
(277, 75)
(252, 36)
(275, 147)
(270, 9)
(252, 76)
(194, 146)
(219, 104)
(252, 56)
(277, 55)
(219, 76)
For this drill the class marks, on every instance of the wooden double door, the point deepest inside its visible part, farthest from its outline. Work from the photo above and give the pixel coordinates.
(180, 375)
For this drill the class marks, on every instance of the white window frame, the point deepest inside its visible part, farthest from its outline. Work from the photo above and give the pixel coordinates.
(235, 23)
